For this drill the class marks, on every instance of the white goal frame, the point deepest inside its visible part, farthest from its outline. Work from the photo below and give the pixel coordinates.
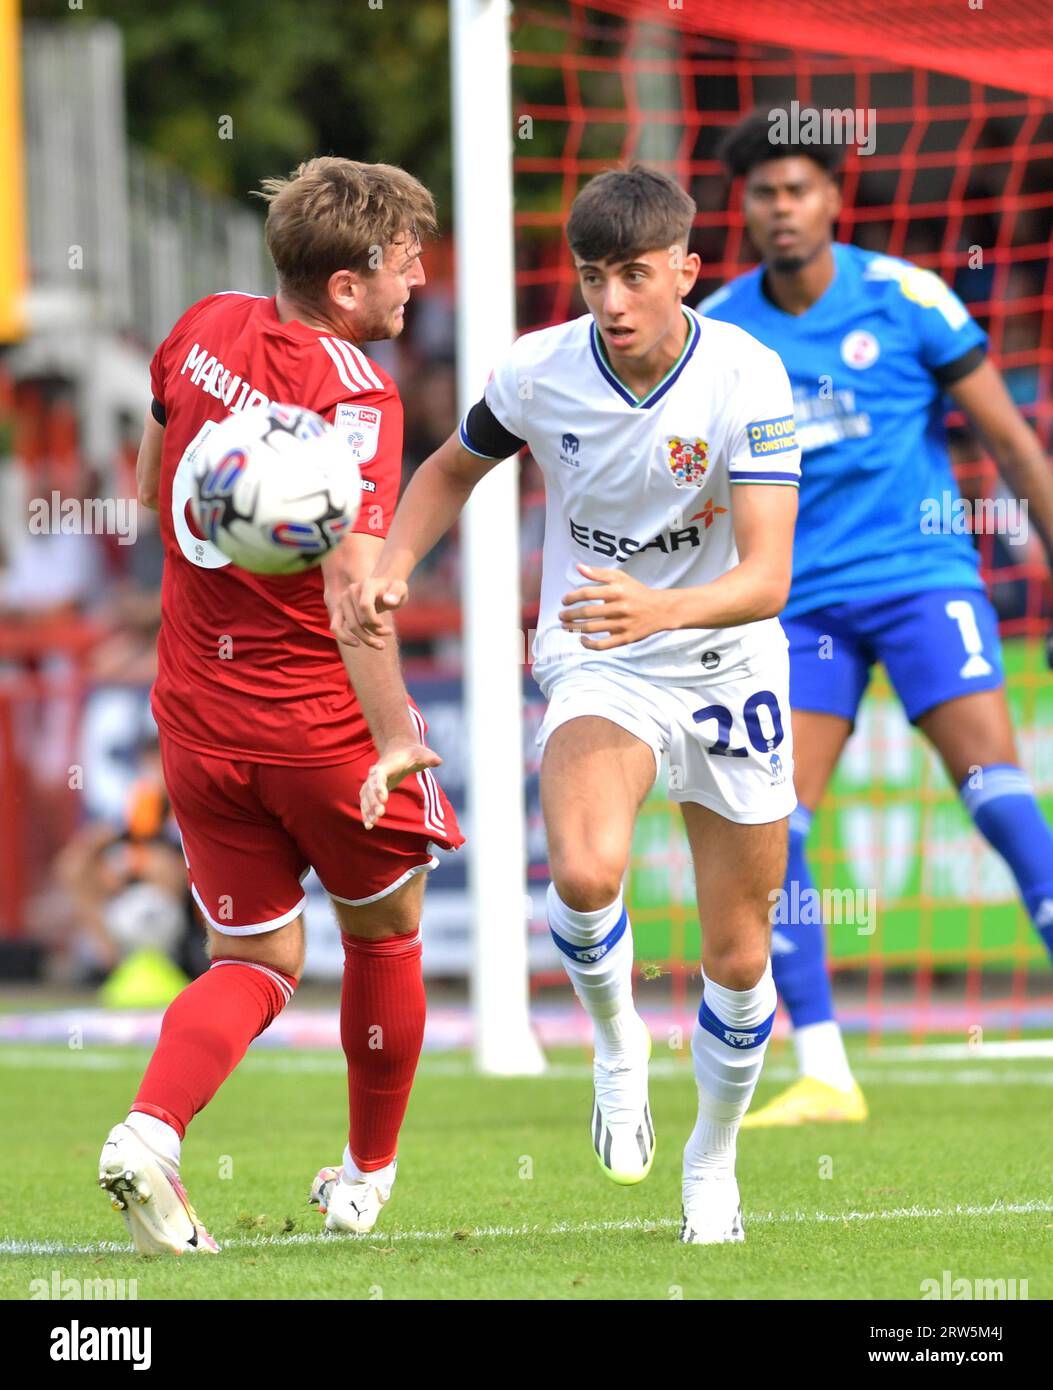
(493, 642)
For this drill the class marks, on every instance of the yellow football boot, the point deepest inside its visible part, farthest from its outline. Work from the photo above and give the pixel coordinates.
(809, 1102)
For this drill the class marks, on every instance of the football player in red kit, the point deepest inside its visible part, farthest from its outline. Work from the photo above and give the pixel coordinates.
(268, 727)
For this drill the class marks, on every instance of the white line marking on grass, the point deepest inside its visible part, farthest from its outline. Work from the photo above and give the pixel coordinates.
(967, 1076)
(869, 1070)
(1022, 1049)
(561, 1228)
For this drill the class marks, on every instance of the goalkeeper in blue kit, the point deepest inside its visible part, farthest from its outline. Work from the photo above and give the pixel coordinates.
(871, 344)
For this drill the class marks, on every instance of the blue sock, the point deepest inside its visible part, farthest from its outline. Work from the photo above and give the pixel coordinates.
(798, 947)
(1005, 812)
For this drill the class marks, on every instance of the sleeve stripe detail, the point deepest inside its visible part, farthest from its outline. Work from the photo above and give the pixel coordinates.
(763, 473)
(365, 367)
(341, 368)
(463, 433)
(769, 479)
(356, 376)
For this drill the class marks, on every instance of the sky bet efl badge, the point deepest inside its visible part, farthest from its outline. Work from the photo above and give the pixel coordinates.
(359, 426)
(688, 460)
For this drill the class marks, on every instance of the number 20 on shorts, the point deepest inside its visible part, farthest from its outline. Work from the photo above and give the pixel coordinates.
(762, 742)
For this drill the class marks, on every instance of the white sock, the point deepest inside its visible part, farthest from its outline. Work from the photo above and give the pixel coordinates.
(821, 1053)
(727, 1072)
(383, 1177)
(161, 1137)
(604, 985)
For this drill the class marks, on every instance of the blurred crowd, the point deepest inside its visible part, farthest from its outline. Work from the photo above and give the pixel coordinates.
(79, 612)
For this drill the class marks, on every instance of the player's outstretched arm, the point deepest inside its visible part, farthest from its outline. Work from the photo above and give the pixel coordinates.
(618, 605)
(764, 516)
(1014, 445)
(429, 507)
(376, 678)
(148, 463)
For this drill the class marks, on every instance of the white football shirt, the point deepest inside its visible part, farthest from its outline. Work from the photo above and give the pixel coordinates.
(646, 484)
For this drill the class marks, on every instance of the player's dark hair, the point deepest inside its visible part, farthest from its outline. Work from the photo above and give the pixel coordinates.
(755, 140)
(623, 213)
(337, 214)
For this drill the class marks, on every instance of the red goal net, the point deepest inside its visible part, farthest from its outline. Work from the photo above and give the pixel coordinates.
(960, 181)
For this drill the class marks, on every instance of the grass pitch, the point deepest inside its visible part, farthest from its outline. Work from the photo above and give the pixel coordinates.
(499, 1195)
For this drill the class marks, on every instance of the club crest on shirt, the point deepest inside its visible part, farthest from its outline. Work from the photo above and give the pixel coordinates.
(688, 460)
(859, 349)
(359, 427)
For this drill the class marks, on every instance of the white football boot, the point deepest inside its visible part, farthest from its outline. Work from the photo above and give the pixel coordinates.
(712, 1212)
(147, 1192)
(348, 1207)
(622, 1132)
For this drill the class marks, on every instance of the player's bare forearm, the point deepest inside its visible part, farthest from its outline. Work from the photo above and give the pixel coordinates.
(148, 463)
(1029, 474)
(377, 683)
(759, 585)
(1014, 446)
(622, 609)
(745, 594)
(613, 608)
(430, 505)
(376, 678)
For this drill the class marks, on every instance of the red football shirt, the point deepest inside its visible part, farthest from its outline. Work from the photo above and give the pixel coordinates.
(247, 666)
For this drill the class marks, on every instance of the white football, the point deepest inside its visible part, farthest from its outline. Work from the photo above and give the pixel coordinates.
(275, 488)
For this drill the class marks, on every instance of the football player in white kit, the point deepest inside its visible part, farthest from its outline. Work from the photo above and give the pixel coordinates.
(670, 463)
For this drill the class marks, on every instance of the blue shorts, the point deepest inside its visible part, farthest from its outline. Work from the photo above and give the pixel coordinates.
(935, 646)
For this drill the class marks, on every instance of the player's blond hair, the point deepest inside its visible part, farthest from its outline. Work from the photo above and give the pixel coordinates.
(337, 214)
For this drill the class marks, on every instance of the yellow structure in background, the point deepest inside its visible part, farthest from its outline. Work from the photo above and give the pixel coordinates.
(12, 188)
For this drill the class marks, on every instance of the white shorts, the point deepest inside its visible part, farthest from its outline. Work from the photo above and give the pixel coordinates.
(728, 742)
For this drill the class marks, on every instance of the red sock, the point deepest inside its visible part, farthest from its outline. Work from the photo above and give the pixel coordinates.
(204, 1035)
(382, 1028)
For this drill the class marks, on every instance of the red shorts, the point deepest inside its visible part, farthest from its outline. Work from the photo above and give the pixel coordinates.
(252, 831)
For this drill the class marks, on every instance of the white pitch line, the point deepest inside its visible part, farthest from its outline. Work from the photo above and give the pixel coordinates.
(1021, 1049)
(869, 1070)
(562, 1228)
(113, 1057)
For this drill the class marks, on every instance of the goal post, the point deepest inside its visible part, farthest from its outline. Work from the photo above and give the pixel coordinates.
(493, 641)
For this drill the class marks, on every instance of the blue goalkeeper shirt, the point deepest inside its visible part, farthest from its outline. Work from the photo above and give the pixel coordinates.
(868, 363)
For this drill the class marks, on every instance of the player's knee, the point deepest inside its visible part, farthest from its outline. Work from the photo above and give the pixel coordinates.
(736, 965)
(272, 949)
(285, 962)
(586, 887)
(396, 914)
(288, 962)
(379, 931)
